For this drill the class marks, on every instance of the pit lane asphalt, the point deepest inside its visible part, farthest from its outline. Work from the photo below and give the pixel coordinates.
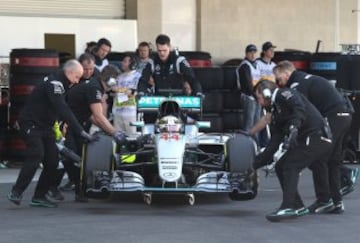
(213, 218)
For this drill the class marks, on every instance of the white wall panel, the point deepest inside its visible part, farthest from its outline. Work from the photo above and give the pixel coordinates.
(28, 32)
(108, 9)
(179, 22)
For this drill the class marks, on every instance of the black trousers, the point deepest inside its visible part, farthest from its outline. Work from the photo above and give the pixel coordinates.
(327, 175)
(340, 125)
(293, 162)
(41, 147)
(75, 143)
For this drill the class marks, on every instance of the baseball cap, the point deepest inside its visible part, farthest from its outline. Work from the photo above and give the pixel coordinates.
(267, 45)
(250, 48)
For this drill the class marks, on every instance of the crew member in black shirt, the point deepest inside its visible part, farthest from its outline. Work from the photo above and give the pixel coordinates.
(333, 107)
(300, 127)
(85, 102)
(43, 107)
(87, 61)
(168, 70)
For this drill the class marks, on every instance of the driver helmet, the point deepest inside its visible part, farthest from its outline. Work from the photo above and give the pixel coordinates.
(169, 124)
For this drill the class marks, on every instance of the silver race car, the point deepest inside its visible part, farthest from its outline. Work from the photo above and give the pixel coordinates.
(170, 154)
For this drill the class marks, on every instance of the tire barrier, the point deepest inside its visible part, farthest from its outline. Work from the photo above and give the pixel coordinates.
(298, 58)
(232, 100)
(222, 105)
(4, 108)
(230, 79)
(355, 123)
(324, 64)
(197, 58)
(232, 62)
(38, 61)
(233, 121)
(213, 102)
(3, 133)
(28, 67)
(348, 72)
(210, 78)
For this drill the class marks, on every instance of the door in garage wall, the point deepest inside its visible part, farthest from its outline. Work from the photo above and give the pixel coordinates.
(63, 43)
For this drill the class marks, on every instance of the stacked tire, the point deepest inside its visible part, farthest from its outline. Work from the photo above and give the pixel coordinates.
(197, 58)
(4, 119)
(222, 106)
(211, 80)
(28, 67)
(4, 108)
(298, 58)
(348, 78)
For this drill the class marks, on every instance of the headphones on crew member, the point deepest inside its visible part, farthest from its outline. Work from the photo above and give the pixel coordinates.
(267, 93)
(133, 62)
(263, 87)
(109, 75)
(111, 82)
(146, 44)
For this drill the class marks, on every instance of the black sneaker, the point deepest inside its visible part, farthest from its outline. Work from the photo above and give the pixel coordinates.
(338, 208)
(70, 186)
(347, 189)
(42, 202)
(351, 184)
(281, 214)
(302, 211)
(55, 194)
(354, 175)
(14, 197)
(321, 207)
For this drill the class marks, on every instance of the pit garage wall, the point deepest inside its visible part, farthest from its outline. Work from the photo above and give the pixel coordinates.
(28, 32)
(172, 17)
(225, 27)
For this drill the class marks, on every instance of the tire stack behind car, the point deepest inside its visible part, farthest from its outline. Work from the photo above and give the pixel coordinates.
(222, 106)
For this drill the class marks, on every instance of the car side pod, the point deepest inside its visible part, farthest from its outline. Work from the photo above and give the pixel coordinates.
(240, 155)
(203, 124)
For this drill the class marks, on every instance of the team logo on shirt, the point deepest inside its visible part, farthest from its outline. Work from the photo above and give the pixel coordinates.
(58, 87)
(98, 95)
(171, 69)
(186, 63)
(287, 94)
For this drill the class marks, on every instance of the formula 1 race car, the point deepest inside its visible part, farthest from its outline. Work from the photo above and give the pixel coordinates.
(170, 155)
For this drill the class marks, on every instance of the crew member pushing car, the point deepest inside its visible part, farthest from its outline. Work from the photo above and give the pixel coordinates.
(44, 106)
(85, 101)
(304, 133)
